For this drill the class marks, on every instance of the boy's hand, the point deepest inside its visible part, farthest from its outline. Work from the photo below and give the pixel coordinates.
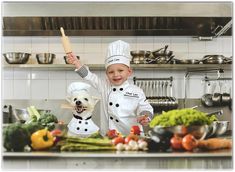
(72, 59)
(143, 120)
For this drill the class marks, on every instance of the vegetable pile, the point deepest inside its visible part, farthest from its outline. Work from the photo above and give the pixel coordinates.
(184, 117)
(47, 120)
(85, 144)
(15, 137)
(18, 136)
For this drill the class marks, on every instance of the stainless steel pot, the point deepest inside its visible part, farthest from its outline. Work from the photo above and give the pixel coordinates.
(213, 59)
(216, 99)
(65, 59)
(225, 99)
(139, 57)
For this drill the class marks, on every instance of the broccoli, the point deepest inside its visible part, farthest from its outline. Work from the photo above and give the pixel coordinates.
(33, 126)
(15, 137)
(48, 120)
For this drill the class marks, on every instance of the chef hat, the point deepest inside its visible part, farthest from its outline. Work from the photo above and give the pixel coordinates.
(118, 52)
(76, 87)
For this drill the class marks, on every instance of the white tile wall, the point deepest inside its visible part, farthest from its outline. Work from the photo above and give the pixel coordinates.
(52, 84)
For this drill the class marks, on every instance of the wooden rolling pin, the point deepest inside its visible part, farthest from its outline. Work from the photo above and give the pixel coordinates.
(66, 106)
(215, 143)
(65, 42)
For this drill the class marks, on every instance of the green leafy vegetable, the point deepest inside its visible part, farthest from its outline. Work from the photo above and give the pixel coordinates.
(186, 117)
(15, 137)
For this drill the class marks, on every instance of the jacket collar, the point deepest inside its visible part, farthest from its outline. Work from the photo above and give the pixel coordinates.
(122, 87)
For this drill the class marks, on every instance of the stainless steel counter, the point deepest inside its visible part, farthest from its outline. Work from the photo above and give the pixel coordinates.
(220, 159)
(122, 154)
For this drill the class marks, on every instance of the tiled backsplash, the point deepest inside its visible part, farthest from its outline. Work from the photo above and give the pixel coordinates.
(31, 83)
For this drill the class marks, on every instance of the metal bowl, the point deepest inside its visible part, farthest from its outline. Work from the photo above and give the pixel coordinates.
(16, 57)
(22, 115)
(65, 59)
(198, 131)
(221, 127)
(45, 58)
(218, 128)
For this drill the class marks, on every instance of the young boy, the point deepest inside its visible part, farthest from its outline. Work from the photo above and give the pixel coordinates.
(123, 105)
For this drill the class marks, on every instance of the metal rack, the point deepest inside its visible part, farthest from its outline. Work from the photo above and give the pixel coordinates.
(158, 92)
(151, 79)
(216, 79)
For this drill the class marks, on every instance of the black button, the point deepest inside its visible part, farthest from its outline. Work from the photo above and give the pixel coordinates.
(114, 89)
(86, 122)
(117, 105)
(85, 129)
(80, 122)
(121, 89)
(116, 120)
(111, 118)
(78, 128)
(110, 103)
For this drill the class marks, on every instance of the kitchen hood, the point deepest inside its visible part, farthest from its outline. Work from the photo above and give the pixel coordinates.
(116, 19)
(117, 26)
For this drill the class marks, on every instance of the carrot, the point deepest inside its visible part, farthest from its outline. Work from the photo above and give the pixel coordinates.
(215, 143)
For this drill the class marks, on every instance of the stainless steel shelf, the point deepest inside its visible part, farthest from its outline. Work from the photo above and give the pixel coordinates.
(177, 67)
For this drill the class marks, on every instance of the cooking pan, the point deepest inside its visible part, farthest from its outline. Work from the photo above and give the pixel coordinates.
(186, 61)
(213, 59)
(227, 60)
(207, 100)
(164, 59)
(162, 52)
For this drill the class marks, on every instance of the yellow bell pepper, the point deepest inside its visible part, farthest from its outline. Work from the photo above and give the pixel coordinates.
(42, 139)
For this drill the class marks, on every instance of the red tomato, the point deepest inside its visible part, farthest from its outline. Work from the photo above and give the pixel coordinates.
(131, 137)
(189, 142)
(176, 143)
(117, 140)
(112, 133)
(56, 132)
(135, 130)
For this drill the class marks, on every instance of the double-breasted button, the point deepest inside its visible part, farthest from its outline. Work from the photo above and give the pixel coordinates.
(110, 103)
(121, 89)
(116, 120)
(86, 122)
(80, 122)
(117, 105)
(78, 128)
(114, 89)
(111, 117)
(85, 129)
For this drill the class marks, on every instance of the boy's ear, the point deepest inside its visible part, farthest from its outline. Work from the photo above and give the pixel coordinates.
(130, 71)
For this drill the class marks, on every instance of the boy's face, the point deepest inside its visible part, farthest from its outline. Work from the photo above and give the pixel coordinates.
(118, 73)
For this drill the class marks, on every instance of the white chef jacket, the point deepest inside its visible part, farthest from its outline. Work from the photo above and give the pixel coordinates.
(82, 126)
(120, 105)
